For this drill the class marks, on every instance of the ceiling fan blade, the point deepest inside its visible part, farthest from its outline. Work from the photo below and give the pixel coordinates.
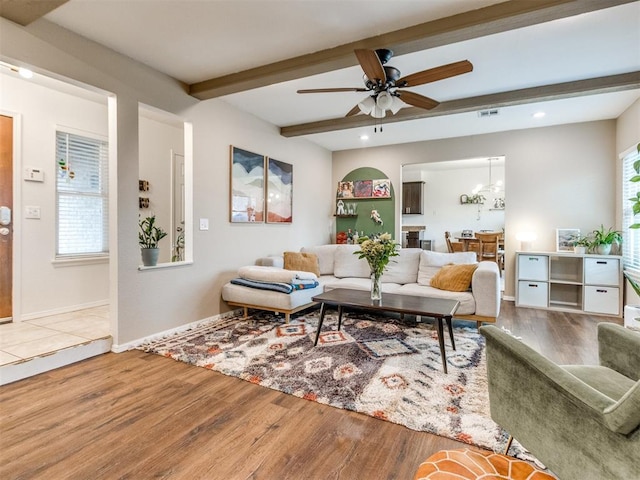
(417, 100)
(354, 111)
(435, 74)
(371, 65)
(330, 90)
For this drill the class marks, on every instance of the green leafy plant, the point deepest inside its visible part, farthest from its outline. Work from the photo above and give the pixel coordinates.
(605, 237)
(377, 250)
(636, 199)
(149, 235)
(582, 242)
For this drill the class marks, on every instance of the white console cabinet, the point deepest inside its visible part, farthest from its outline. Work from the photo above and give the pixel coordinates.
(570, 282)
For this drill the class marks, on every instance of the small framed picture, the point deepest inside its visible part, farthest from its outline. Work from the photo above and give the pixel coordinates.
(566, 238)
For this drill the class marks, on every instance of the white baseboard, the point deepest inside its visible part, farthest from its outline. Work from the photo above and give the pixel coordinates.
(509, 298)
(58, 311)
(182, 328)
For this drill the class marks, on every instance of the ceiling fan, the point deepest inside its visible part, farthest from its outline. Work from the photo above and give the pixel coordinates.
(386, 84)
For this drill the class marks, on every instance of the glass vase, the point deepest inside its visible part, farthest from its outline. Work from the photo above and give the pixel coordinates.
(376, 288)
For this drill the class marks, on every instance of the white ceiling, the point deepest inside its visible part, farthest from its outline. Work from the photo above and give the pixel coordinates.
(197, 40)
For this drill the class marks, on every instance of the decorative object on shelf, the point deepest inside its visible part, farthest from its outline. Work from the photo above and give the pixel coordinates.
(526, 240)
(143, 185)
(148, 238)
(498, 203)
(143, 202)
(474, 199)
(375, 216)
(341, 237)
(360, 189)
(340, 208)
(279, 192)
(581, 245)
(604, 239)
(345, 190)
(247, 186)
(351, 208)
(377, 251)
(566, 239)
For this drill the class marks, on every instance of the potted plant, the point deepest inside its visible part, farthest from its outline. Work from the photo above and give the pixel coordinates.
(632, 312)
(148, 238)
(603, 239)
(581, 245)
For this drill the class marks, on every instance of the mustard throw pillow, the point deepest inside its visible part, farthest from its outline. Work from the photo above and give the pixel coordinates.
(455, 278)
(304, 262)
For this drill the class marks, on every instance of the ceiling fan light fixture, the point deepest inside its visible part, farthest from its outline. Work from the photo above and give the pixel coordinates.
(367, 105)
(384, 101)
(396, 105)
(377, 112)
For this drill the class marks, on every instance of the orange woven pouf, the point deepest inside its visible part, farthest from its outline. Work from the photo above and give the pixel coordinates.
(469, 464)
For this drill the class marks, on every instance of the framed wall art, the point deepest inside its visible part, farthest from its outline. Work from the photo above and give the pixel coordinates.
(566, 238)
(279, 195)
(247, 187)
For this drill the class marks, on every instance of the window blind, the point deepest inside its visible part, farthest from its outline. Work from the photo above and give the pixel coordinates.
(82, 198)
(631, 241)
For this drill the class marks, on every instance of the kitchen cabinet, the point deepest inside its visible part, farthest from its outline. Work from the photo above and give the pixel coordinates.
(412, 198)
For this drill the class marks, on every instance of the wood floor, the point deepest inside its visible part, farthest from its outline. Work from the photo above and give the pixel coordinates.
(140, 416)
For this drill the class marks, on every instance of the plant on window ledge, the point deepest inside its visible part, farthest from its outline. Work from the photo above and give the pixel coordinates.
(148, 238)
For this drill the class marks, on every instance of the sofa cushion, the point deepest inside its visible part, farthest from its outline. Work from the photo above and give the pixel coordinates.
(349, 265)
(431, 262)
(403, 268)
(455, 278)
(358, 284)
(302, 261)
(326, 257)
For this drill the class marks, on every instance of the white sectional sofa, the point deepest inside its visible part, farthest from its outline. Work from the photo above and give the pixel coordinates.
(409, 273)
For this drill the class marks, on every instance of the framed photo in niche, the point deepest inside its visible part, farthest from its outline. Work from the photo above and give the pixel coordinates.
(381, 188)
(363, 188)
(565, 239)
(279, 197)
(345, 190)
(246, 204)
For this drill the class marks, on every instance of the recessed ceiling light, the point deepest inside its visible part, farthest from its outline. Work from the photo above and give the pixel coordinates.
(539, 115)
(25, 72)
(364, 137)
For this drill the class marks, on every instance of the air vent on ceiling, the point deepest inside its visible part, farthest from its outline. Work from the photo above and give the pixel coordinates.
(488, 113)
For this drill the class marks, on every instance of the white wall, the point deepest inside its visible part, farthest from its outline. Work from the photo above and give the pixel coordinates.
(442, 210)
(47, 287)
(555, 177)
(151, 301)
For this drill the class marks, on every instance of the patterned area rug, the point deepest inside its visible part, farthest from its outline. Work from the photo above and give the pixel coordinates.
(379, 366)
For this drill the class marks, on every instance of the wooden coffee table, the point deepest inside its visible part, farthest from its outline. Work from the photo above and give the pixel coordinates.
(438, 308)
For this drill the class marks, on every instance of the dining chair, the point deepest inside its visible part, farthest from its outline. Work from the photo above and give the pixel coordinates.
(489, 247)
(453, 246)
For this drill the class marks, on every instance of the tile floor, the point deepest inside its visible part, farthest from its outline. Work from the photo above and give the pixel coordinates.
(23, 340)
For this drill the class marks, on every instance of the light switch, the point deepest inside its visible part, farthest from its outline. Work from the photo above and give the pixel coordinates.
(204, 224)
(32, 212)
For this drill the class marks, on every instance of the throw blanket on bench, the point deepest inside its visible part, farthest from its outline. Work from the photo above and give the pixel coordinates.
(274, 274)
(281, 287)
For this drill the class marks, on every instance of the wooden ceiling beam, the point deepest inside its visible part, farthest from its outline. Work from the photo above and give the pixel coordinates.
(24, 12)
(489, 20)
(559, 91)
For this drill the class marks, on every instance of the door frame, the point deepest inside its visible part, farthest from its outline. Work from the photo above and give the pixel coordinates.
(16, 216)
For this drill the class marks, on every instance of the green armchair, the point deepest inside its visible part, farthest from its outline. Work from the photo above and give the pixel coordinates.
(581, 421)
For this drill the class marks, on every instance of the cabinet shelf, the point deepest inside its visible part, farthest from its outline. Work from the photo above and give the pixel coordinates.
(569, 282)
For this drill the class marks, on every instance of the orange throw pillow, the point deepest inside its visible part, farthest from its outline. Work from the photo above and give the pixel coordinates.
(304, 262)
(454, 278)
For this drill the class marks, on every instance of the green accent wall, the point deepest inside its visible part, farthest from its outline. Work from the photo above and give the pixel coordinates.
(363, 222)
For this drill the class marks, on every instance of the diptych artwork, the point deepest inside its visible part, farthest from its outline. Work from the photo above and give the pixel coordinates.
(247, 186)
(279, 191)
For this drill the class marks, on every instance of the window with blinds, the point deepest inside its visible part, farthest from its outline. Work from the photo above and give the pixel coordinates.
(631, 242)
(82, 198)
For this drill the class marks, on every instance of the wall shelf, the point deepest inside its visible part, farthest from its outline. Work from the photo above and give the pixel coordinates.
(346, 216)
